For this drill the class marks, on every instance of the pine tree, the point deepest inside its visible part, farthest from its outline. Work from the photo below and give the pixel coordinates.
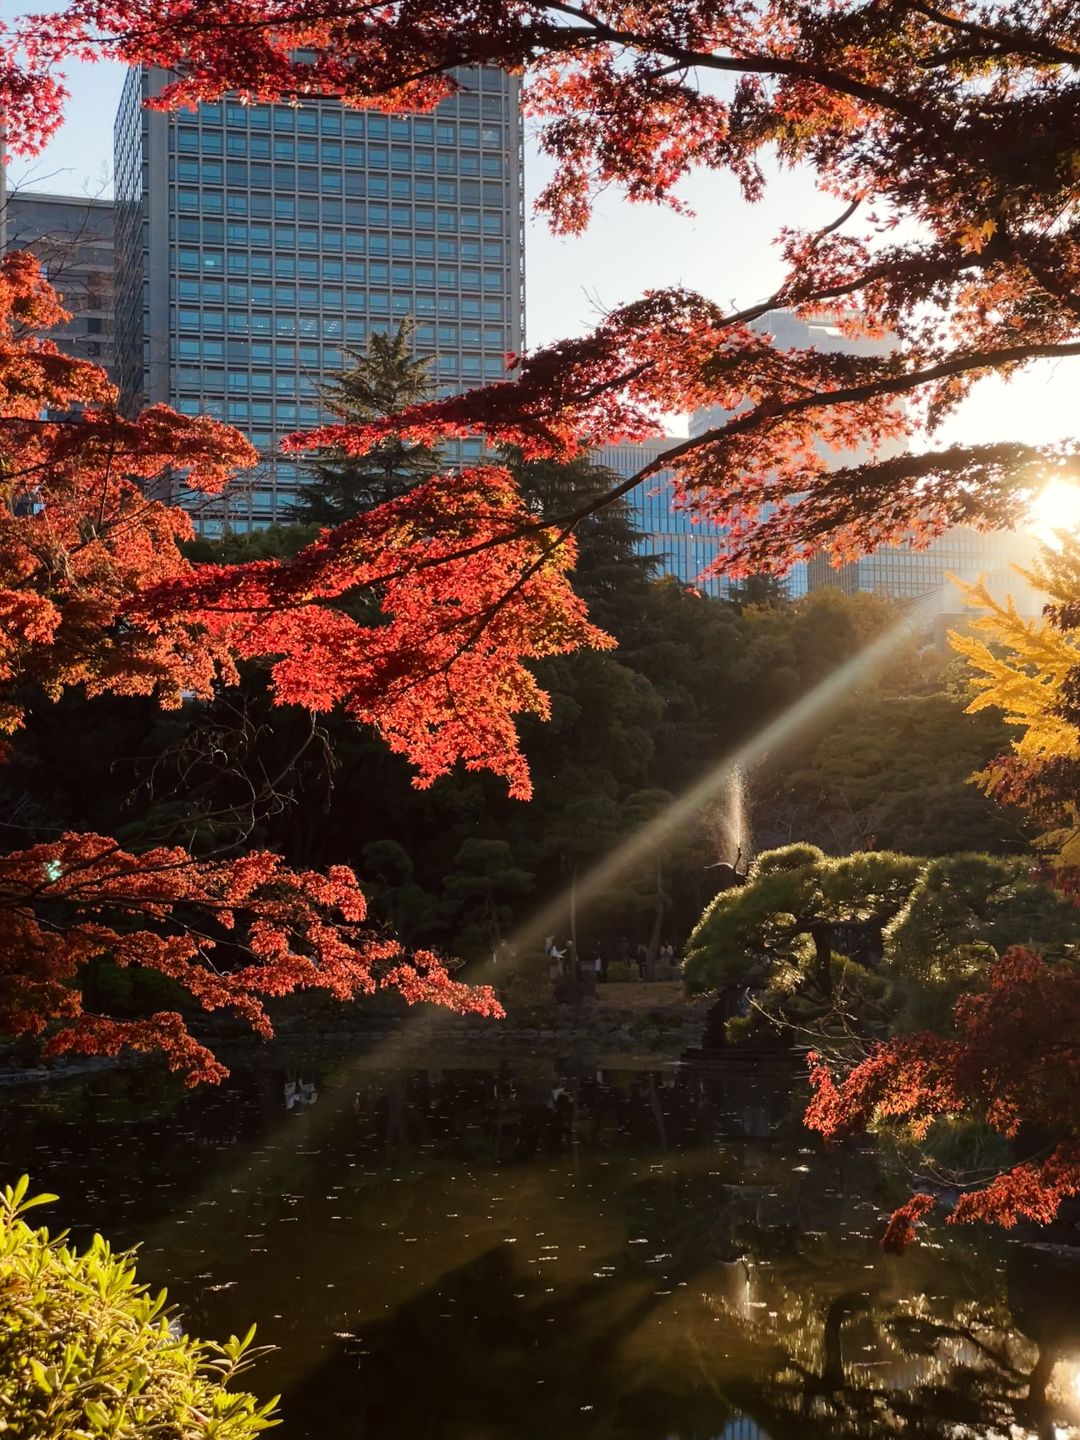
(768, 590)
(389, 377)
(611, 566)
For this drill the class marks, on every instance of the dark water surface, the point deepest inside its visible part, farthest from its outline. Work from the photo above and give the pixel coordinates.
(543, 1251)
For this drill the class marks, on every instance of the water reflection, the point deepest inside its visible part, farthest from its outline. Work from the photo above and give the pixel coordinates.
(515, 1252)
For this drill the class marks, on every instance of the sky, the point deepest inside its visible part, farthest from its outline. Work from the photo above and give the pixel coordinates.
(724, 250)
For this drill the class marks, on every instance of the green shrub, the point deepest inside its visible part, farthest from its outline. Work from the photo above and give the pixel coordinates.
(623, 971)
(738, 1029)
(87, 1353)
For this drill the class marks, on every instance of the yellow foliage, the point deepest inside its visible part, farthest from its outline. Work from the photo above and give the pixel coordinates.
(1020, 668)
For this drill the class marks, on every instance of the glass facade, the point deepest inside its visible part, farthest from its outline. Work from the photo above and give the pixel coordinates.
(132, 233)
(789, 332)
(72, 236)
(922, 577)
(257, 242)
(898, 572)
(684, 547)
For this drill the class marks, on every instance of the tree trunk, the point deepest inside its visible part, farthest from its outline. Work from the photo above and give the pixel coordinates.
(822, 967)
(573, 913)
(658, 923)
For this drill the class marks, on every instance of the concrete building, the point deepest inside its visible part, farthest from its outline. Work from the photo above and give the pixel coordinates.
(72, 236)
(255, 241)
(684, 547)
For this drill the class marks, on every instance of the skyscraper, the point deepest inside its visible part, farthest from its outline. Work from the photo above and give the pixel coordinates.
(902, 573)
(255, 241)
(72, 236)
(684, 547)
(897, 572)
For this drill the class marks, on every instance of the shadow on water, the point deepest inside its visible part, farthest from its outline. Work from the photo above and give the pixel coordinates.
(493, 1253)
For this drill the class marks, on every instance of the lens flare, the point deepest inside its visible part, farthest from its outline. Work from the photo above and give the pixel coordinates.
(1054, 512)
(265, 1164)
(716, 781)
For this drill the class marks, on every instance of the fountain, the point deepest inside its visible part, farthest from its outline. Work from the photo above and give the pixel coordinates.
(730, 832)
(735, 819)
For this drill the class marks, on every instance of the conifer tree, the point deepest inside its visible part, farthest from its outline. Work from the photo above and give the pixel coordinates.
(385, 379)
(612, 566)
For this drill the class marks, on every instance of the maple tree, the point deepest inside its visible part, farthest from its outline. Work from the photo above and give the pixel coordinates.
(1030, 670)
(1012, 1059)
(1012, 1055)
(841, 947)
(95, 591)
(948, 135)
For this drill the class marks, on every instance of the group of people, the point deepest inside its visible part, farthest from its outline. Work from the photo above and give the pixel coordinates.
(567, 963)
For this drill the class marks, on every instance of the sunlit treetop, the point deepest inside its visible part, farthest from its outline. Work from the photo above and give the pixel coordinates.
(397, 616)
(950, 136)
(78, 535)
(95, 590)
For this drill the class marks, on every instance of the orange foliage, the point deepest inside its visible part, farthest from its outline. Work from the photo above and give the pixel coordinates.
(947, 133)
(1013, 1059)
(95, 591)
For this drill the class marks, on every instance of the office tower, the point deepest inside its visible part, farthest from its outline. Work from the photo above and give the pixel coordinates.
(789, 332)
(255, 241)
(897, 572)
(923, 576)
(72, 236)
(684, 548)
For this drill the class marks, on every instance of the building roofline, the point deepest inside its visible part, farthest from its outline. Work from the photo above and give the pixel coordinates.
(27, 194)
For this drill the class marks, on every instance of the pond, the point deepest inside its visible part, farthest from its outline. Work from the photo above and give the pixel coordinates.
(536, 1249)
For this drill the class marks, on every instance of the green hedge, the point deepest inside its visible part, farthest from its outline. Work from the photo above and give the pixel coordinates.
(87, 1353)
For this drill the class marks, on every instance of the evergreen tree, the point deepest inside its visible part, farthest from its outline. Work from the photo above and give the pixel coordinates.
(816, 935)
(389, 377)
(612, 570)
(768, 590)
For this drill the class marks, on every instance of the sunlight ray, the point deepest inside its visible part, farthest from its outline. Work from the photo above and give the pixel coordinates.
(419, 1028)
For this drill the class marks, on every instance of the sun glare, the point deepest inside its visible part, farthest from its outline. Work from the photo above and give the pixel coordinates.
(1054, 510)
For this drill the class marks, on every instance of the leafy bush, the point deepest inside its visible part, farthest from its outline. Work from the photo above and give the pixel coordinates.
(87, 1352)
(738, 1028)
(623, 971)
